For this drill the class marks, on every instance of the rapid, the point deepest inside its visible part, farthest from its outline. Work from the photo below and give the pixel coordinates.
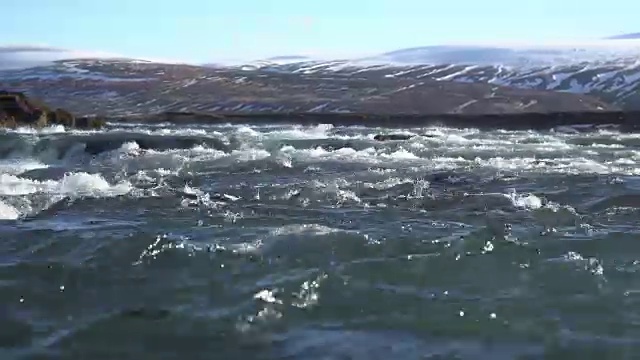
(289, 242)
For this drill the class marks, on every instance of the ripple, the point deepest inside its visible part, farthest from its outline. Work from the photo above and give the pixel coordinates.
(318, 242)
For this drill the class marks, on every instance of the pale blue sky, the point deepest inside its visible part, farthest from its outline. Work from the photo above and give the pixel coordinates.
(207, 30)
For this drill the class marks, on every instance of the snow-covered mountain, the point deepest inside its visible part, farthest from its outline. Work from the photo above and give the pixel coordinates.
(15, 57)
(609, 68)
(516, 54)
(122, 87)
(21, 57)
(625, 36)
(271, 63)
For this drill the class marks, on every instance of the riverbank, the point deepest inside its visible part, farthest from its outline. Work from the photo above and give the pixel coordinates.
(626, 120)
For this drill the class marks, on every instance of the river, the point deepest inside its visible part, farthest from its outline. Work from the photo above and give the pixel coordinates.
(290, 242)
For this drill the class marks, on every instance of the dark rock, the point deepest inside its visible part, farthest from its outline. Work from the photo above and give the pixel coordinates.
(62, 117)
(90, 122)
(100, 146)
(17, 109)
(392, 137)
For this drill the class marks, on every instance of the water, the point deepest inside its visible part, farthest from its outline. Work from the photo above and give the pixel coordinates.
(282, 242)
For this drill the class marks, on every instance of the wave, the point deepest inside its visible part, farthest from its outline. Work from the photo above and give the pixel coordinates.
(39, 168)
(22, 197)
(51, 148)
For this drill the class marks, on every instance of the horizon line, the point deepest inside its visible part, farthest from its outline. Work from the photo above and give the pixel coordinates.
(616, 41)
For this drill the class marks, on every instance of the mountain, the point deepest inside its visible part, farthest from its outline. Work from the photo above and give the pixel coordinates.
(269, 63)
(121, 87)
(607, 69)
(625, 36)
(28, 56)
(18, 57)
(514, 54)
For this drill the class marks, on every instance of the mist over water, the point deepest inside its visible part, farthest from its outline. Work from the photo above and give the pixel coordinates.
(284, 242)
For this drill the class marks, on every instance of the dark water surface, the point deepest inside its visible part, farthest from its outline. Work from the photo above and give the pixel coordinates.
(281, 242)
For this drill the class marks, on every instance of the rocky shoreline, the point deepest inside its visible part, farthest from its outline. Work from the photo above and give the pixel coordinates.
(625, 120)
(17, 109)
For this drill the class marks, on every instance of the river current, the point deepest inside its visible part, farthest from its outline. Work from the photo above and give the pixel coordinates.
(289, 242)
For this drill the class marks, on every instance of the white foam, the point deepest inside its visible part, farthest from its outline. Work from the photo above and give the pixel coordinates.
(19, 166)
(303, 229)
(449, 150)
(129, 147)
(604, 152)
(247, 131)
(72, 185)
(12, 185)
(91, 185)
(55, 129)
(8, 212)
(250, 154)
(320, 131)
(387, 183)
(524, 201)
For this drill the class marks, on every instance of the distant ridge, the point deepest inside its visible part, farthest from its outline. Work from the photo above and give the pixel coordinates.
(288, 57)
(625, 36)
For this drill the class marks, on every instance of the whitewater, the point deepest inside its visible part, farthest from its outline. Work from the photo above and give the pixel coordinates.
(289, 242)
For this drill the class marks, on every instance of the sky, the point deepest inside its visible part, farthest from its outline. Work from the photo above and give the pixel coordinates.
(216, 30)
